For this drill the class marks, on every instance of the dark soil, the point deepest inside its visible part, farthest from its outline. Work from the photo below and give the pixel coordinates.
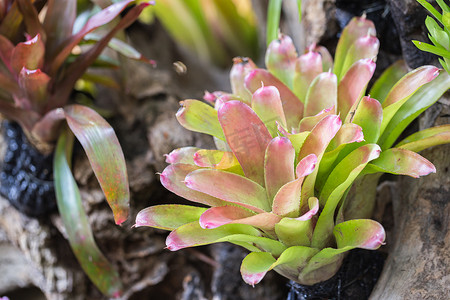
(354, 281)
(26, 176)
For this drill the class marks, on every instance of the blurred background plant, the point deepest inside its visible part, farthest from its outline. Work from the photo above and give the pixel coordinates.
(45, 49)
(439, 34)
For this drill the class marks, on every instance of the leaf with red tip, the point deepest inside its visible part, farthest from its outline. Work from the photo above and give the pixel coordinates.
(327, 59)
(168, 217)
(191, 235)
(266, 103)
(172, 178)
(426, 96)
(29, 54)
(58, 24)
(278, 165)
(241, 68)
(368, 115)
(184, 155)
(308, 123)
(388, 78)
(298, 231)
(34, 83)
(229, 187)
(292, 106)
(424, 139)
(365, 47)
(316, 143)
(247, 137)
(308, 66)
(358, 27)
(353, 85)
(401, 162)
(322, 94)
(101, 18)
(287, 202)
(340, 179)
(218, 216)
(79, 233)
(365, 234)
(199, 117)
(105, 156)
(280, 59)
(255, 266)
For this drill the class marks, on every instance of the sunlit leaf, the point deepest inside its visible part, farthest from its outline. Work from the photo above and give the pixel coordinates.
(168, 217)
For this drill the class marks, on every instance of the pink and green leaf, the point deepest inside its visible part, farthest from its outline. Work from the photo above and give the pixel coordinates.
(401, 162)
(327, 59)
(217, 159)
(34, 83)
(6, 49)
(31, 18)
(199, 117)
(255, 266)
(339, 180)
(229, 187)
(308, 66)
(10, 25)
(247, 137)
(386, 81)
(241, 68)
(363, 233)
(365, 47)
(292, 106)
(266, 103)
(353, 85)
(168, 217)
(322, 94)
(101, 272)
(278, 165)
(369, 115)
(280, 59)
(426, 138)
(105, 156)
(358, 27)
(308, 123)
(184, 155)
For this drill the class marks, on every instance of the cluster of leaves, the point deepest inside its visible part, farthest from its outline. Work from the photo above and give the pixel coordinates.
(440, 37)
(38, 71)
(291, 140)
(208, 27)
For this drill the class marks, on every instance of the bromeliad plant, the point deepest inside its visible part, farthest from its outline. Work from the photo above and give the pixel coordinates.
(291, 142)
(37, 76)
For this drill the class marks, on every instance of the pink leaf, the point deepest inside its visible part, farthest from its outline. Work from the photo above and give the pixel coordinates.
(308, 67)
(29, 54)
(280, 59)
(308, 123)
(183, 155)
(34, 83)
(241, 67)
(266, 103)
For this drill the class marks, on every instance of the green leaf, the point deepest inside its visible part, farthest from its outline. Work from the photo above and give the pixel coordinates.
(365, 47)
(386, 81)
(308, 123)
(426, 96)
(255, 266)
(365, 234)
(168, 217)
(217, 159)
(281, 58)
(76, 223)
(266, 103)
(273, 20)
(432, 49)
(322, 94)
(426, 138)
(368, 115)
(307, 67)
(431, 9)
(199, 117)
(105, 156)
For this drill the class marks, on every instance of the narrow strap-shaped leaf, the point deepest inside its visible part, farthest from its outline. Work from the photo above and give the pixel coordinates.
(76, 223)
(280, 59)
(340, 179)
(58, 24)
(31, 18)
(168, 217)
(358, 27)
(292, 106)
(247, 137)
(401, 162)
(105, 156)
(287, 201)
(386, 81)
(29, 54)
(229, 187)
(308, 66)
(10, 25)
(426, 96)
(368, 115)
(266, 103)
(218, 216)
(6, 49)
(200, 117)
(426, 138)
(278, 165)
(353, 85)
(273, 20)
(184, 155)
(322, 94)
(172, 178)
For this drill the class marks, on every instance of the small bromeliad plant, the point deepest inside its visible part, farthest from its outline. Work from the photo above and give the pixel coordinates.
(299, 153)
(38, 71)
